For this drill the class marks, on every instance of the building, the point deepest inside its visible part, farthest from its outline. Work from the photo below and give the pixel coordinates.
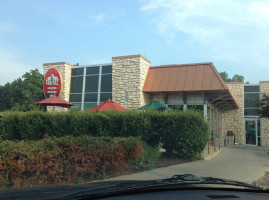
(229, 108)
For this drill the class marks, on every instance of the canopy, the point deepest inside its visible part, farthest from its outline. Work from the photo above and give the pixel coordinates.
(155, 105)
(108, 105)
(55, 101)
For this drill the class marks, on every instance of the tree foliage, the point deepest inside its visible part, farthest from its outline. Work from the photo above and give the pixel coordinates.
(264, 106)
(22, 93)
(235, 78)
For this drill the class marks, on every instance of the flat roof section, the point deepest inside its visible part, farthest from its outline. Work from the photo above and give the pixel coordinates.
(189, 78)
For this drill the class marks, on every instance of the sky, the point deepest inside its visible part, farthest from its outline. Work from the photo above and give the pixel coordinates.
(233, 34)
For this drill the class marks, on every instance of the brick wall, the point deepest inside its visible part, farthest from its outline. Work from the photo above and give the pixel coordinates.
(129, 74)
(264, 89)
(234, 120)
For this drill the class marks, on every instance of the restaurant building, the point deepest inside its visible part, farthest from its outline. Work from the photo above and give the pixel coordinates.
(229, 108)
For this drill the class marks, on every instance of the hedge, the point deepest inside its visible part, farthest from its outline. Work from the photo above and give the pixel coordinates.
(67, 159)
(182, 134)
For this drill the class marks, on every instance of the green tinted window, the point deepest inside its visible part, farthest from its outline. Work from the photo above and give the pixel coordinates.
(92, 70)
(107, 69)
(106, 83)
(77, 72)
(76, 84)
(92, 97)
(91, 84)
(75, 98)
(105, 96)
(88, 106)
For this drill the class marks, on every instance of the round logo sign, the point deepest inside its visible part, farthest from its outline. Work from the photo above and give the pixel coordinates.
(52, 83)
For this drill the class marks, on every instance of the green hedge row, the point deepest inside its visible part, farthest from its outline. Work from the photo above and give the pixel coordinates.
(182, 133)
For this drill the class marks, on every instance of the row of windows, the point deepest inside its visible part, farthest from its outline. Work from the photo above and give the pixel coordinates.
(90, 97)
(91, 84)
(251, 100)
(91, 70)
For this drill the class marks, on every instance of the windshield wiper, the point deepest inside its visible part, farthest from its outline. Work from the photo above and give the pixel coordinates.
(192, 179)
(184, 180)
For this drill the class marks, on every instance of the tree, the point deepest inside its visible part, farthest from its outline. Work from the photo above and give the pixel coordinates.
(264, 106)
(236, 77)
(22, 93)
(225, 76)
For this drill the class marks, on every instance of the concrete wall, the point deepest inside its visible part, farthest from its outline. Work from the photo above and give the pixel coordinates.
(65, 69)
(128, 75)
(264, 89)
(234, 120)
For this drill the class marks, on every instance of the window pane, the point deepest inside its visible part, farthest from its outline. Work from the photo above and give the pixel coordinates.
(107, 69)
(77, 72)
(75, 98)
(87, 106)
(91, 84)
(253, 112)
(92, 70)
(196, 107)
(176, 107)
(106, 84)
(251, 100)
(76, 84)
(90, 97)
(252, 88)
(105, 96)
(76, 107)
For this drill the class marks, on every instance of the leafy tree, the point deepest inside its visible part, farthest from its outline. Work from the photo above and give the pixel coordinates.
(22, 93)
(264, 106)
(225, 76)
(236, 77)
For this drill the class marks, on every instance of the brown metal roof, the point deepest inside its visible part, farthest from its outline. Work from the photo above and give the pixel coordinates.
(198, 77)
(189, 77)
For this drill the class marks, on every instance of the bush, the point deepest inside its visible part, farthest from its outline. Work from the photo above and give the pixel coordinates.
(66, 159)
(183, 134)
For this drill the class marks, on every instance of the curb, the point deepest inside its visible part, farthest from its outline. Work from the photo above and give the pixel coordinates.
(212, 155)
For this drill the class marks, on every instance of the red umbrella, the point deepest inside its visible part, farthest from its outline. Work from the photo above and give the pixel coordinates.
(55, 101)
(108, 105)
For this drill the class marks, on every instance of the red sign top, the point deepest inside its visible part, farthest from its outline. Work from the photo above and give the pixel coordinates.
(52, 83)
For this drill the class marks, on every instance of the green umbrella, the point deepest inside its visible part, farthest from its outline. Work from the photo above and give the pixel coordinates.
(155, 105)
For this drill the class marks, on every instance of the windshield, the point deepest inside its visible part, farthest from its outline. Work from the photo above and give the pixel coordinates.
(100, 91)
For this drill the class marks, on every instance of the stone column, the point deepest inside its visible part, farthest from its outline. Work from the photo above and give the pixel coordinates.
(234, 120)
(264, 89)
(65, 69)
(128, 78)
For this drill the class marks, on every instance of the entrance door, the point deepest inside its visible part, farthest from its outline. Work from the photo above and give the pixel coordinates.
(251, 131)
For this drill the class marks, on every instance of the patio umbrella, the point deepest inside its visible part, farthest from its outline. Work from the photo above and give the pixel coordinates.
(108, 105)
(155, 105)
(55, 101)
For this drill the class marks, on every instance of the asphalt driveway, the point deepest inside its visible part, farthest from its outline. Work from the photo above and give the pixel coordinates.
(240, 164)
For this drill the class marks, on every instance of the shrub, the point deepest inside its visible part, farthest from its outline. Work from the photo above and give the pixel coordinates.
(183, 134)
(66, 159)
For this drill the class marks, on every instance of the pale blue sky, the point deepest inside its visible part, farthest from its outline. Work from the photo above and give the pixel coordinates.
(233, 34)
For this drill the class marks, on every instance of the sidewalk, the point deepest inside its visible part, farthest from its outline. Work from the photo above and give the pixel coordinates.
(238, 164)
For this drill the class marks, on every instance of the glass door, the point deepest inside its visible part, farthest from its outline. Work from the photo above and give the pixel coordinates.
(251, 131)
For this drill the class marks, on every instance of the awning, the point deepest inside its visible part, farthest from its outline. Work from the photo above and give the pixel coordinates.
(201, 78)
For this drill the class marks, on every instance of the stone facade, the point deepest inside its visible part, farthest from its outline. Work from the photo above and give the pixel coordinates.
(234, 120)
(65, 69)
(128, 76)
(264, 89)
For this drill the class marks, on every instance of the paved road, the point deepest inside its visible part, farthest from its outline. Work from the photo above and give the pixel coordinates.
(240, 164)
